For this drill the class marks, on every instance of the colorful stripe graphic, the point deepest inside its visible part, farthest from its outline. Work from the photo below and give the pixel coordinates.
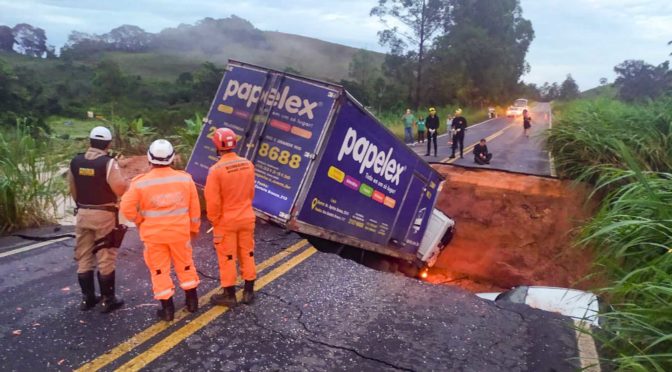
(301, 132)
(285, 127)
(225, 109)
(390, 202)
(352, 183)
(336, 174)
(378, 196)
(366, 190)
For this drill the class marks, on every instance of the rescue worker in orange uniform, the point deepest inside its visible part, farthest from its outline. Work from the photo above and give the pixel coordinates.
(164, 205)
(229, 190)
(96, 183)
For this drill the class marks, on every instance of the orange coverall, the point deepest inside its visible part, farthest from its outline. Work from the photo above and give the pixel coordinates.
(229, 190)
(164, 205)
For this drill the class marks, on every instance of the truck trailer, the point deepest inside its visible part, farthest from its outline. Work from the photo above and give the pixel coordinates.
(325, 167)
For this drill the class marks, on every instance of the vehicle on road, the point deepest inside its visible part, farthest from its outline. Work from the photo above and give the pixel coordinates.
(325, 167)
(517, 109)
(579, 305)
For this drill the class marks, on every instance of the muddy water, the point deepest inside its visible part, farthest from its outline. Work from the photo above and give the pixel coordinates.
(512, 230)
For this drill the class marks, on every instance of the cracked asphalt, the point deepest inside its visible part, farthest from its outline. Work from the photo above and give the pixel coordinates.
(324, 314)
(313, 311)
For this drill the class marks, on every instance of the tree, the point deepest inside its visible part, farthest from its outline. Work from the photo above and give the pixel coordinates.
(6, 39)
(31, 41)
(363, 66)
(550, 92)
(206, 80)
(108, 80)
(128, 38)
(604, 81)
(639, 80)
(422, 19)
(483, 49)
(569, 90)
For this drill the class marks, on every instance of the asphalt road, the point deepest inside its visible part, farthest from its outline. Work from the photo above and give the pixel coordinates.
(511, 150)
(314, 311)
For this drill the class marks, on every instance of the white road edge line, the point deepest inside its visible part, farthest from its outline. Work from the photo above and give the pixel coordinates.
(588, 357)
(551, 159)
(33, 246)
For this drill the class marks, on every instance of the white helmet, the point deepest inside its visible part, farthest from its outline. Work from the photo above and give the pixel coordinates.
(161, 152)
(101, 133)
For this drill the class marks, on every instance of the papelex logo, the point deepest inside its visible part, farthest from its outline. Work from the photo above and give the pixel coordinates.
(280, 99)
(368, 155)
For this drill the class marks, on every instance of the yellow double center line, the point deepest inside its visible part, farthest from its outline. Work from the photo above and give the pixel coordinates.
(183, 332)
(448, 160)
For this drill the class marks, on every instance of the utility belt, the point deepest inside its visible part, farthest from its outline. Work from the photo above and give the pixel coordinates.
(109, 208)
(116, 236)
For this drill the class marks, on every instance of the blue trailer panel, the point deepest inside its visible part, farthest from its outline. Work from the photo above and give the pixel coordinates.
(324, 165)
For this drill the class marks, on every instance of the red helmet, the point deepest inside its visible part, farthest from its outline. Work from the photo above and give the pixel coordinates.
(224, 139)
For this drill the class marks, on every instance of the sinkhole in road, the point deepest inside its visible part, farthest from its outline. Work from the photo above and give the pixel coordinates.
(512, 229)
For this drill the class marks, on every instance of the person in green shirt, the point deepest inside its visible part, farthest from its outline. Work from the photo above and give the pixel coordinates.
(421, 129)
(408, 120)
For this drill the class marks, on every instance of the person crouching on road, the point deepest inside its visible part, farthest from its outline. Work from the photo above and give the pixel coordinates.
(481, 154)
(164, 205)
(96, 184)
(229, 190)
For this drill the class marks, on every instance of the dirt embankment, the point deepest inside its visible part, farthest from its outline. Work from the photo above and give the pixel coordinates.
(134, 165)
(512, 229)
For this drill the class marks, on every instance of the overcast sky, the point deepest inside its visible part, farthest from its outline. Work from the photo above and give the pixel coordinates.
(586, 38)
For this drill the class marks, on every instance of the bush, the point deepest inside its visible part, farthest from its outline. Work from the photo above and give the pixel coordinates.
(29, 188)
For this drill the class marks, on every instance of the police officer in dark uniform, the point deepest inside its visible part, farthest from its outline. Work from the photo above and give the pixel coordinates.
(432, 124)
(96, 183)
(459, 128)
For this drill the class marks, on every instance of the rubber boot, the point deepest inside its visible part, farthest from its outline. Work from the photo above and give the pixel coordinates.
(226, 298)
(248, 292)
(191, 300)
(89, 299)
(167, 310)
(109, 301)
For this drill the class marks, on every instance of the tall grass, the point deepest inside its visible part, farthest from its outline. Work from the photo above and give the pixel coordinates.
(591, 133)
(625, 152)
(29, 186)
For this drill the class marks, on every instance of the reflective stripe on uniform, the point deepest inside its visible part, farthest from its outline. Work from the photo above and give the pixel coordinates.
(161, 181)
(164, 293)
(196, 219)
(189, 285)
(160, 213)
(217, 166)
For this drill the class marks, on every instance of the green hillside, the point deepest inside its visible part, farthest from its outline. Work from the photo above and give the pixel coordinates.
(164, 55)
(605, 91)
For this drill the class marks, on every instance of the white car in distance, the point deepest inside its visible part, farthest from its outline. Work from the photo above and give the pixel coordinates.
(517, 109)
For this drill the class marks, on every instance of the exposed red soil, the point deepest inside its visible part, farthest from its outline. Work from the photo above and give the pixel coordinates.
(133, 165)
(512, 229)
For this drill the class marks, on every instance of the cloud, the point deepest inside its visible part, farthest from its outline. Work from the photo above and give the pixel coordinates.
(583, 37)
